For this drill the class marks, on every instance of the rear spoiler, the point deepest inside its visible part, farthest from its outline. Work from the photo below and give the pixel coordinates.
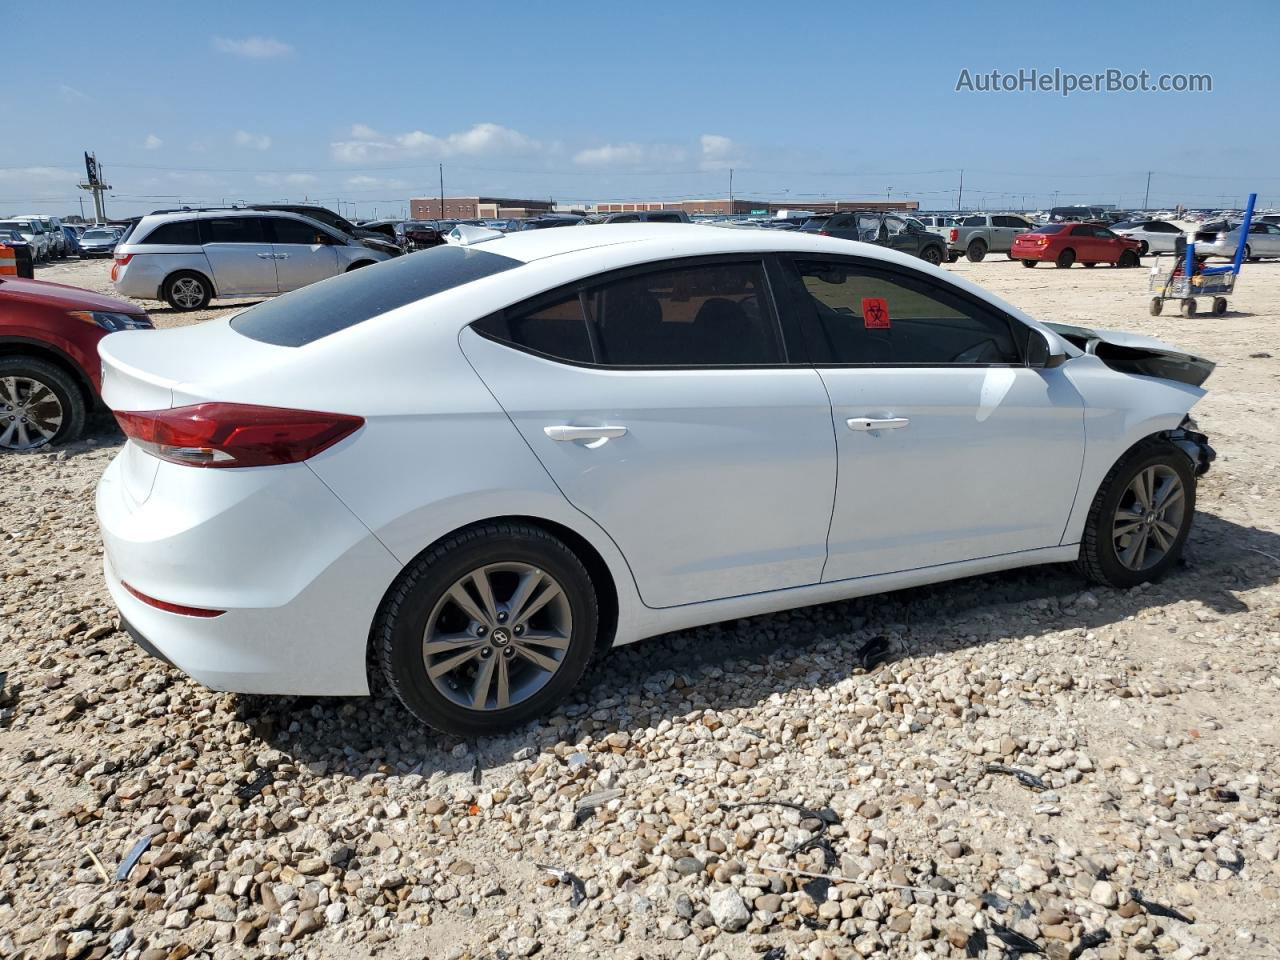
(1131, 353)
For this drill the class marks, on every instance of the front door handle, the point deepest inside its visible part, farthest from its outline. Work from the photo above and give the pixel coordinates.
(266, 256)
(866, 423)
(595, 436)
(282, 256)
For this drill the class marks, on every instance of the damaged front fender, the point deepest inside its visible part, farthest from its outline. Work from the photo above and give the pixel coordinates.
(1132, 353)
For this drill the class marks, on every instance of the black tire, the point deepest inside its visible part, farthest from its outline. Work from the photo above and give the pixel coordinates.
(1188, 307)
(931, 255)
(1099, 560)
(358, 264)
(1248, 254)
(977, 251)
(1029, 264)
(1143, 248)
(1089, 264)
(952, 257)
(1065, 259)
(74, 406)
(1128, 260)
(401, 623)
(202, 291)
(1155, 306)
(1219, 305)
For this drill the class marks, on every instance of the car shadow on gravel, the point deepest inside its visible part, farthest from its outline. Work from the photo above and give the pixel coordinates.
(739, 663)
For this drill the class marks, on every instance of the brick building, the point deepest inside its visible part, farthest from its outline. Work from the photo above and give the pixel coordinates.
(473, 208)
(739, 207)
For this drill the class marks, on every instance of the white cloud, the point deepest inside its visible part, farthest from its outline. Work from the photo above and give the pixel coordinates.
(152, 142)
(718, 152)
(483, 139)
(72, 94)
(286, 179)
(42, 175)
(630, 155)
(256, 141)
(375, 183)
(254, 47)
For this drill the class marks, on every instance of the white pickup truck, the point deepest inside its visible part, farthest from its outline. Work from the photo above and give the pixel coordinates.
(977, 235)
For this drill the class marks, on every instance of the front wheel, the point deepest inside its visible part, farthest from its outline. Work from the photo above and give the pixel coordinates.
(1065, 259)
(488, 629)
(1128, 259)
(1140, 517)
(1219, 305)
(40, 404)
(1155, 306)
(1188, 306)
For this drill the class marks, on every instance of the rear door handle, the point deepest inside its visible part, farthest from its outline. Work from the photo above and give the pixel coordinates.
(595, 436)
(866, 423)
(282, 256)
(266, 256)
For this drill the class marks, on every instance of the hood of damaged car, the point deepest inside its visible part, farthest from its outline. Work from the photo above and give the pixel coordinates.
(1136, 354)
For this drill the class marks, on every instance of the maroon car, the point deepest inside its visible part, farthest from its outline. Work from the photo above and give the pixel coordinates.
(50, 374)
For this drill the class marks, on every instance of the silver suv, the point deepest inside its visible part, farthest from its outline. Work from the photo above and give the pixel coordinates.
(189, 258)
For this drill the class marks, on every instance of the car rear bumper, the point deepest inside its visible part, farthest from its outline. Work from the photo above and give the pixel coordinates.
(1033, 253)
(298, 577)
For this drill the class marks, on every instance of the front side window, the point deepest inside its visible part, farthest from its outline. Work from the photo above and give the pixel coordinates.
(295, 231)
(234, 230)
(895, 225)
(865, 315)
(868, 227)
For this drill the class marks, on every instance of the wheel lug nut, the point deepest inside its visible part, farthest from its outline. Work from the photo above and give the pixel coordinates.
(502, 618)
(481, 630)
(509, 652)
(519, 631)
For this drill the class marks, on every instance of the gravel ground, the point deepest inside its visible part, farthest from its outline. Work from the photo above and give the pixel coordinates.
(696, 781)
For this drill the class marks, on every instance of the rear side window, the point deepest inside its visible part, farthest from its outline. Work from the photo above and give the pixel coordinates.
(305, 315)
(664, 218)
(1050, 228)
(234, 230)
(184, 232)
(557, 329)
(864, 315)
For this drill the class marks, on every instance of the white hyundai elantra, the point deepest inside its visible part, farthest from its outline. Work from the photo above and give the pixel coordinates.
(486, 461)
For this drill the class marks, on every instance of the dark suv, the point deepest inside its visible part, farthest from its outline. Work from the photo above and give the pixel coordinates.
(640, 216)
(882, 229)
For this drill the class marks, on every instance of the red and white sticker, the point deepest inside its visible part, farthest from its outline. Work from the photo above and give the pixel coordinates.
(875, 313)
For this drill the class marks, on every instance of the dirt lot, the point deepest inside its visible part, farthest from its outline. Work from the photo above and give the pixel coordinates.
(330, 828)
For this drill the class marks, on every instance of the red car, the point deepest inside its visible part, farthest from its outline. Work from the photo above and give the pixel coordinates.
(1063, 244)
(50, 374)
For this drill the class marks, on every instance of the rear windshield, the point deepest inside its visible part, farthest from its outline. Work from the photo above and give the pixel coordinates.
(1051, 228)
(815, 223)
(298, 318)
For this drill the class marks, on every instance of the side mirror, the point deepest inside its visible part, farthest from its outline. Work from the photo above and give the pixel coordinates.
(1040, 352)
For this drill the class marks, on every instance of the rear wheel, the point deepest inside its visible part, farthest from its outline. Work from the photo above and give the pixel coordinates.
(932, 255)
(488, 629)
(1065, 259)
(1219, 305)
(187, 290)
(1140, 517)
(40, 404)
(1189, 307)
(976, 252)
(1156, 306)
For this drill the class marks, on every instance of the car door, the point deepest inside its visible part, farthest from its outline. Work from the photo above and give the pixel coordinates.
(899, 237)
(661, 403)
(303, 252)
(1264, 240)
(950, 448)
(239, 255)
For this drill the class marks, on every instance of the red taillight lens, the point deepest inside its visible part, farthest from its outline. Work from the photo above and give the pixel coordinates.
(235, 434)
(172, 607)
(955, 235)
(123, 258)
(823, 233)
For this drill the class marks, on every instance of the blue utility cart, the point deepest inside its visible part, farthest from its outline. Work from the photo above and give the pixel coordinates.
(1184, 282)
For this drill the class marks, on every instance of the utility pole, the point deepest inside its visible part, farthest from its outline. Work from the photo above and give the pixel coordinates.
(960, 198)
(1147, 195)
(441, 191)
(731, 190)
(94, 184)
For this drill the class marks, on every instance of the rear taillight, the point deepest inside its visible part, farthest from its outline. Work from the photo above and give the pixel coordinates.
(235, 434)
(823, 233)
(123, 259)
(955, 235)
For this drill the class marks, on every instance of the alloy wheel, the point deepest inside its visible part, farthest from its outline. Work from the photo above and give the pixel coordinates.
(30, 413)
(497, 636)
(1149, 517)
(188, 292)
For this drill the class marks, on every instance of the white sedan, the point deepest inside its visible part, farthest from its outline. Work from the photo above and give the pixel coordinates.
(484, 462)
(1153, 236)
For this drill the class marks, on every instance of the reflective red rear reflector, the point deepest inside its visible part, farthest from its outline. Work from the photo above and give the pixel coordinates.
(172, 607)
(235, 434)
(955, 235)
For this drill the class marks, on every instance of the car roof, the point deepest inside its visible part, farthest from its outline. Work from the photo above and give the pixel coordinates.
(154, 219)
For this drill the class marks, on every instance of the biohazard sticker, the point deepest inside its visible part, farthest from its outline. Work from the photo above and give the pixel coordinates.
(875, 313)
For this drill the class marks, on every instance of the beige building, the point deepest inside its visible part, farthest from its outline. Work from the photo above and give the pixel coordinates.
(474, 208)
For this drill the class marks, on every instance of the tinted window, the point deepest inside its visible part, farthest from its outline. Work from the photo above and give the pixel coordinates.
(183, 232)
(664, 218)
(318, 310)
(234, 230)
(974, 222)
(626, 218)
(557, 329)
(295, 231)
(1159, 226)
(704, 315)
(1050, 228)
(865, 315)
(815, 224)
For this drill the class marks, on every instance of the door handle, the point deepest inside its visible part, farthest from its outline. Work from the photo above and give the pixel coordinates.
(595, 436)
(266, 256)
(282, 256)
(865, 424)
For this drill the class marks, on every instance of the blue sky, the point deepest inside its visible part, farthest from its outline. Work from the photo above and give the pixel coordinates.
(602, 101)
